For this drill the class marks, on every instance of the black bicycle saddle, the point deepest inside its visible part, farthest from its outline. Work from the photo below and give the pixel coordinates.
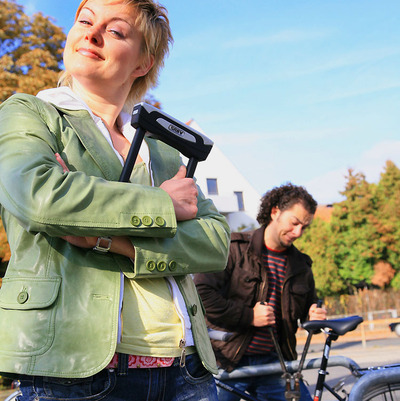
(337, 326)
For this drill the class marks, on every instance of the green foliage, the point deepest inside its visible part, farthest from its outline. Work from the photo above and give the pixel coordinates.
(30, 51)
(364, 230)
(354, 233)
(318, 242)
(387, 218)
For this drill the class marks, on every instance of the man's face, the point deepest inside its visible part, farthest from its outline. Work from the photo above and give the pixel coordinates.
(285, 227)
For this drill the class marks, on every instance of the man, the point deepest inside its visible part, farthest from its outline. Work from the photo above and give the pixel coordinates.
(267, 282)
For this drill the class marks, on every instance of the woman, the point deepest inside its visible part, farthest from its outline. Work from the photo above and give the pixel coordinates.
(98, 300)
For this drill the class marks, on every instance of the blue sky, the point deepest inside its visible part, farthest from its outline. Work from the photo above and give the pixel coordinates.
(289, 90)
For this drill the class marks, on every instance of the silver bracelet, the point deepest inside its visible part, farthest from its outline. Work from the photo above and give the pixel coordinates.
(103, 244)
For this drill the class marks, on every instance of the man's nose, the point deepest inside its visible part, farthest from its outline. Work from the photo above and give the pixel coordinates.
(298, 230)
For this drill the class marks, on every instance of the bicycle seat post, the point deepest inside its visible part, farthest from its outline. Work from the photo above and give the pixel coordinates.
(324, 363)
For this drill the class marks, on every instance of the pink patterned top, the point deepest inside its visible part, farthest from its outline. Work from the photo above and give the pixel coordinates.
(137, 361)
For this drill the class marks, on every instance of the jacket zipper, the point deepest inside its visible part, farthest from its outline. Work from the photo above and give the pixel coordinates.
(182, 341)
(287, 338)
(258, 298)
(182, 345)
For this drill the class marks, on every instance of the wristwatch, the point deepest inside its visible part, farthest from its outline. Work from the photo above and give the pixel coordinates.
(103, 244)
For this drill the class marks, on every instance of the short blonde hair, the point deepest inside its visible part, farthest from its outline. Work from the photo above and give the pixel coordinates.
(152, 21)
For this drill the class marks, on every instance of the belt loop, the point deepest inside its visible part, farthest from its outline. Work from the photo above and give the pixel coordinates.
(122, 367)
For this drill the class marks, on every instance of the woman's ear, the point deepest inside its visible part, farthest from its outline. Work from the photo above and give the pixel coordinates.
(144, 67)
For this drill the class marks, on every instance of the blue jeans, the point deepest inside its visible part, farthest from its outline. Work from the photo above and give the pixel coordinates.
(192, 382)
(266, 388)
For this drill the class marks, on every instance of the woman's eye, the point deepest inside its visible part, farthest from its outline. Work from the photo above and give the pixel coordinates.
(116, 33)
(84, 22)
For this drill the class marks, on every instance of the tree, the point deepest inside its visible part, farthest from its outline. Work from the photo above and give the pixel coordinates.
(387, 217)
(31, 51)
(319, 243)
(357, 242)
(383, 275)
(4, 250)
(360, 246)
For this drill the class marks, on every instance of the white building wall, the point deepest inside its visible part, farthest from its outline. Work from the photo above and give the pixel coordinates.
(229, 181)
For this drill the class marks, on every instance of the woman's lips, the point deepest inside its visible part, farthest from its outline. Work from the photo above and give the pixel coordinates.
(89, 53)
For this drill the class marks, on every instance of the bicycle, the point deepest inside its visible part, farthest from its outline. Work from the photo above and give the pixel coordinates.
(377, 383)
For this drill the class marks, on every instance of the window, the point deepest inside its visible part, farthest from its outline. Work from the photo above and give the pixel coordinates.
(239, 196)
(212, 186)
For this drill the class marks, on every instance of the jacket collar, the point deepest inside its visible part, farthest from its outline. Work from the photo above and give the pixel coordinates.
(85, 125)
(296, 261)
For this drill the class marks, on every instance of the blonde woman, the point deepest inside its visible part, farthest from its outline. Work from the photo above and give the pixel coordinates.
(98, 300)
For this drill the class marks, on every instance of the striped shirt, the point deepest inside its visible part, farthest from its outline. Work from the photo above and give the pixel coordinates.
(275, 263)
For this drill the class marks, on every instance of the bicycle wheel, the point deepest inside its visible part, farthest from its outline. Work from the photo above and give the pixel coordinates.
(383, 392)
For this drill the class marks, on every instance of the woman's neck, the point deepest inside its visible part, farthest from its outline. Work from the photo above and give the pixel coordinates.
(102, 106)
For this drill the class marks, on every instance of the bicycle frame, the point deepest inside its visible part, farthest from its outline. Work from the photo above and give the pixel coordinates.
(293, 374)
(373, 377)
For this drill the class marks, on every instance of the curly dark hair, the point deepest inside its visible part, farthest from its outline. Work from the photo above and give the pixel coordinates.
(284, 197)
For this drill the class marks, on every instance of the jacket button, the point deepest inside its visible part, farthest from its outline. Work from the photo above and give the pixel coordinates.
(172, 265)
(194, 309)
(135, 221)
(160, 221)
(150, 265)
(147, 221)
(22, 297)
(161, 266)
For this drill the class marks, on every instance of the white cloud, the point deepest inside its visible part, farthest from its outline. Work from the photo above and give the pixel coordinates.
(285, 36)
(326, 188)
(29, 7)
(372, 162)
(259, 138)
(351, 58)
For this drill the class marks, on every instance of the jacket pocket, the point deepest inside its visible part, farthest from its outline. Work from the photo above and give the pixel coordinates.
(299, 293)
(27, 314)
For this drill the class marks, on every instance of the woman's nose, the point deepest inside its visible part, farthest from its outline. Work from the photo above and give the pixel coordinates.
(93, 35)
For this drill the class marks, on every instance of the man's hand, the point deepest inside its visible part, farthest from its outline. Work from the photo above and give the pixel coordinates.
(183, 192)
(263, 315)
(316, 313)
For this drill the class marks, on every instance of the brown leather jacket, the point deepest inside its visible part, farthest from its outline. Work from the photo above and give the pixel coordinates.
(229, 297)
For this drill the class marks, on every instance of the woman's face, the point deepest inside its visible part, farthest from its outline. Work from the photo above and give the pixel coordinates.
(103, 48)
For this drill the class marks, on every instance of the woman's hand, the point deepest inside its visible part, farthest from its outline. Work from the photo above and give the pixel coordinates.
(81, 242)
(120, 245)
(62, 162)
(183, 192)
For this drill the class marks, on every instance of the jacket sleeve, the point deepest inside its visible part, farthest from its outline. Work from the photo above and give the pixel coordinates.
(35, 190)
(199, 245)
(218, 293)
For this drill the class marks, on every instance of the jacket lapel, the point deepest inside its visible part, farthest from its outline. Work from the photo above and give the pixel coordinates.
(96, 145)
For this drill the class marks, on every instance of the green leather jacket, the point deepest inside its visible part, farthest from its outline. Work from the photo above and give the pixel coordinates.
(59, 304)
